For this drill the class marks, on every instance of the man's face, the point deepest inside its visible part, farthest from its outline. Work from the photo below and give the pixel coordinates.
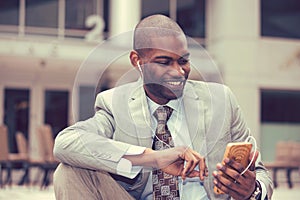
(166, 68)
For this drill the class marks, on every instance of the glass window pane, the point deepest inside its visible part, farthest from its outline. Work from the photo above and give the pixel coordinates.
(56, 109)
(77, 12)
(86, 102)
(42, 13)
(191, 17)
(106, 14)
(280, 18)
(9, 12)
(279, 106)
(155, 7)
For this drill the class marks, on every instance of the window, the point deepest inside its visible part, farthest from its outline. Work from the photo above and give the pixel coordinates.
(191, 17)
(86, 102)
(78, 11)
(280, 106)
(76, 14)
(105, 15)
(52, 17)
(9, 12)
(56, 110)
(190, 14)
(42, 13)
(280, 18)
(155, 7)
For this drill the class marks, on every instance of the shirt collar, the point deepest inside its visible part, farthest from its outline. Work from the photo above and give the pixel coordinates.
(174, 104)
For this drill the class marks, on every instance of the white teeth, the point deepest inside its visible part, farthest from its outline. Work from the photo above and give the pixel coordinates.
(175, 83)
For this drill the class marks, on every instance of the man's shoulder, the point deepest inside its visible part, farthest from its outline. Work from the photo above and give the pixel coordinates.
(120, 92)
(208, 91)
(119, 89)
(206, 86)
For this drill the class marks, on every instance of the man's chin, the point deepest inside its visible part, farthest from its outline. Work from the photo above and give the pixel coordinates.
(175, 95)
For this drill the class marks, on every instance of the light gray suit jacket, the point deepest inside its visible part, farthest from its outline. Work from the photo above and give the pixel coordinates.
(122, 119)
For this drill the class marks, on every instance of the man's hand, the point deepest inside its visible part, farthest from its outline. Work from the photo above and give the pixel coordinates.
(178, 161)
(185, 163)
(236, 185)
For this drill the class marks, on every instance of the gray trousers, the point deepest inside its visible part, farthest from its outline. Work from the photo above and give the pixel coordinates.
(71, 183)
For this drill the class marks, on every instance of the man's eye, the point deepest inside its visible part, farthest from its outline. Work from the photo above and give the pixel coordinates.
(183, 61)
(164, 62)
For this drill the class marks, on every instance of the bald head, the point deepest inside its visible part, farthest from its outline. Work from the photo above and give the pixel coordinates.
(152, 27)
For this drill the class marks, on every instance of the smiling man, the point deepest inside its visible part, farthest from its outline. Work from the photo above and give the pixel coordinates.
(160, 137)
(164, 71)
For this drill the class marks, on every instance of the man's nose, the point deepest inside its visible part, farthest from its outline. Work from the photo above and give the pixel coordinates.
(176, 68)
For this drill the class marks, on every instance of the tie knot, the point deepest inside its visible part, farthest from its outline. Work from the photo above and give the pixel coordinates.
(163, 113)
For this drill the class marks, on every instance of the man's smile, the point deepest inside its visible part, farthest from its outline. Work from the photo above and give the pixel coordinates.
(174, 84)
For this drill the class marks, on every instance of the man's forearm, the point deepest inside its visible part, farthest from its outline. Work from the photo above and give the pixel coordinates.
(155, 159)
(146, 159)
(178, 161)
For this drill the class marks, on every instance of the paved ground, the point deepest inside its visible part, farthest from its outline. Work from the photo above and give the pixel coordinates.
(284, 193)
(35, 193)
(26, 193)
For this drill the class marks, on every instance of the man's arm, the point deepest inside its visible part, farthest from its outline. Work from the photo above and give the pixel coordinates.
(87, 144)
(80, 147)
(240, 132)
(178, 161)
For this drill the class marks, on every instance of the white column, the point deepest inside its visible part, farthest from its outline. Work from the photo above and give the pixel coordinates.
(233, 40)
(74, 104)
(36, 118)
(124, 15)
(22, 18)
(61, 18)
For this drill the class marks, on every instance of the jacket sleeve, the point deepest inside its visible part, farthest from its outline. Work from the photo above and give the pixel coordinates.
(240, 131)
(89, 144)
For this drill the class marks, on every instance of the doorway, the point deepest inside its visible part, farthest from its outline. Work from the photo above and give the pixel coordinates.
(56, 110)
(16, 114)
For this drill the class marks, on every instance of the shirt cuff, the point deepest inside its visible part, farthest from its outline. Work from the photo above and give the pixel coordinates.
(125, 168)
(134, 150)
(263, 190)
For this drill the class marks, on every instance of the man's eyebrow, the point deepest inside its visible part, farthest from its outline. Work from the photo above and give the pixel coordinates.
(168, 57)
(163, 57)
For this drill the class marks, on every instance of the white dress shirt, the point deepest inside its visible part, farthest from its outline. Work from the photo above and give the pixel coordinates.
(191, 188)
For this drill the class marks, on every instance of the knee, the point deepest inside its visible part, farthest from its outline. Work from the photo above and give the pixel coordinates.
(68, 183)
(61, 174)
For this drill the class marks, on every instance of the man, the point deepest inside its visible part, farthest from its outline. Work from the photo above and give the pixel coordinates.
(159, 132)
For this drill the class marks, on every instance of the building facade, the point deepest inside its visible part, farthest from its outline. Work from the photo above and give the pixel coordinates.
(54, 58)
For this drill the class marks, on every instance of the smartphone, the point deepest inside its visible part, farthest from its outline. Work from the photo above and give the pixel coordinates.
(238, 151)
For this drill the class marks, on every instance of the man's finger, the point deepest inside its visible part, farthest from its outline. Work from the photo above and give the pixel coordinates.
(193, 174)
(202, 168)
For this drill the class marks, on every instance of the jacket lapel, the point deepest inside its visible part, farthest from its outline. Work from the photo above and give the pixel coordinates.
(139, 112)
(195, 117)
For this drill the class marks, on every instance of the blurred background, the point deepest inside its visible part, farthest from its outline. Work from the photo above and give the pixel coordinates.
(54, 59)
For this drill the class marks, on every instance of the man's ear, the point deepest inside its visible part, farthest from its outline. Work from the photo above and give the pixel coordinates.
(134, 59)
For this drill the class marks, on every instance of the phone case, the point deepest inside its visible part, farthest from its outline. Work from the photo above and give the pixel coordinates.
(238, 151)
